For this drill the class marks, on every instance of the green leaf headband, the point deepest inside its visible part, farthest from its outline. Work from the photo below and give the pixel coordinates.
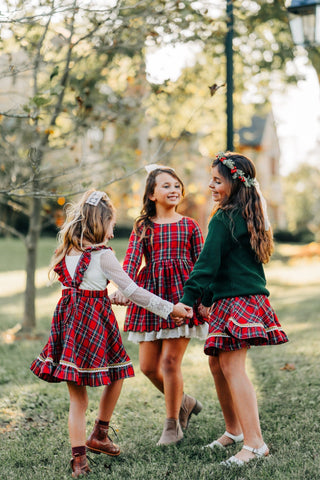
(236, 172)
(248, 181)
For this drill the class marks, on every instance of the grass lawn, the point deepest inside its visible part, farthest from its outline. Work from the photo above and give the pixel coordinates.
(33, 414)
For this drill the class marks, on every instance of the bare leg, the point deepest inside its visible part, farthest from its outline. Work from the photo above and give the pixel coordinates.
(77, 414)
(109, 400)
(225, 398)
(150, 362)
(244, 399)
(173, 350)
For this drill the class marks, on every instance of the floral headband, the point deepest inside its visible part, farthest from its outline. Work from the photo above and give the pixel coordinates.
(248, 181)
(236, 172)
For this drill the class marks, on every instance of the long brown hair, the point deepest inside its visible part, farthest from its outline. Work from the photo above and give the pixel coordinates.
(148, 211)
(246, 199)
(85, 225)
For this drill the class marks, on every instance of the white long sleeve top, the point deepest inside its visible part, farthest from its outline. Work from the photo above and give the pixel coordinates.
(104, 266)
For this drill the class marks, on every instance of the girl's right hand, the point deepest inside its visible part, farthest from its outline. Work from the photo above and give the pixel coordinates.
(180, 312)
(204, 311)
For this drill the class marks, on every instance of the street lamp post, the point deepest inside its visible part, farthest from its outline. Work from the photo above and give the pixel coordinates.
(304, 18)
(229, 74)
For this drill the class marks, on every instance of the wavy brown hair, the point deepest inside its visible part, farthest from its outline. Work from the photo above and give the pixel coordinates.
(246, 199)
(85, 225)
(148, 211)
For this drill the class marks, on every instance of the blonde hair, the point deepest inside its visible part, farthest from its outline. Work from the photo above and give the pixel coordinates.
(85, 225)
(247, 199)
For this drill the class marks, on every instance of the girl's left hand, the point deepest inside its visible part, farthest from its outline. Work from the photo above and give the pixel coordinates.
(180, 312)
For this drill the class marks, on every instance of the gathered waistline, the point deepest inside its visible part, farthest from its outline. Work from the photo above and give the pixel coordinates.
(84, 293)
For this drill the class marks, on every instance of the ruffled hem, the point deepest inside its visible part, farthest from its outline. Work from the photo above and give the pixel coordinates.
(52, 372)
(222, 341)
(199, 331)
(242, 322)
(246, 331)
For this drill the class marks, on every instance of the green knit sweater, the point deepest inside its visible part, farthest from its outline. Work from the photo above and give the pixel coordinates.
(227, 266)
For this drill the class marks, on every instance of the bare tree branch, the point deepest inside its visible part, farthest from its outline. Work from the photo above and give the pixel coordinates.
(19, 115)
(38, 54)
(12, 230)
(65, 75)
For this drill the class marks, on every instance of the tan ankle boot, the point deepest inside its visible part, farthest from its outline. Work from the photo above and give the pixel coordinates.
(171, 433)
(100, 442)
(189, 405)
(79, 465)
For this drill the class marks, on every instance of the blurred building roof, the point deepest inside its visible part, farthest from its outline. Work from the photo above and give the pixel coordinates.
(252, 136)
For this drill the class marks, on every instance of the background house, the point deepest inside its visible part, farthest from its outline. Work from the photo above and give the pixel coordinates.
(260, 142)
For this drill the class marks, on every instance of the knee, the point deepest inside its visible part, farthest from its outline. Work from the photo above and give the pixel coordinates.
(84, 402)
(214, 365)
(227, 368)
(148, 370)
(81, 401)
(169, 364)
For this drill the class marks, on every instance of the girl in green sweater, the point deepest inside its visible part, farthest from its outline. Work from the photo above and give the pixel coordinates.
(229, 278)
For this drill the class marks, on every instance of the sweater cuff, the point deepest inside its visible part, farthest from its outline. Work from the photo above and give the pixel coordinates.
(187, 300)
(206, 298)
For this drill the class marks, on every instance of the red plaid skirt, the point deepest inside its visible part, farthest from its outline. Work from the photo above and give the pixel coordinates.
(85, 344)
(241, 322)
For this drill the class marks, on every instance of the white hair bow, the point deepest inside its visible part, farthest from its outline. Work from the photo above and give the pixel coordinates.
(95, 197)
(155, 166)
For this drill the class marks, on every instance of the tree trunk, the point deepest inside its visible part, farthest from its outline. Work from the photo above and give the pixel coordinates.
(29, 317)
(314, 56)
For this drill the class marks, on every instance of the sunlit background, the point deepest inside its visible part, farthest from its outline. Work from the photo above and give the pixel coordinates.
(92, 92)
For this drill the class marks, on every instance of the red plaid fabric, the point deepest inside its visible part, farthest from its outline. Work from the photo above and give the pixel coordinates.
(84, 344)
(240, 322)
(169, 254)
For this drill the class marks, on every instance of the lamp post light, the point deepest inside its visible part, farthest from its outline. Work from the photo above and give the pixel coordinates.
(304, 18)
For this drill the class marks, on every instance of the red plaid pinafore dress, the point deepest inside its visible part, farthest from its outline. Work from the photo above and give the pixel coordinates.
(84, 344)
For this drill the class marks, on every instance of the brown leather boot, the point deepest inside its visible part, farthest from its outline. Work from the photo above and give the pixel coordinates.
(189, 405)
(79, 465)
(100, 442)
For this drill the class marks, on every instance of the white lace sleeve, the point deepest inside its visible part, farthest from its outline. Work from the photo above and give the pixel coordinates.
(114, 272)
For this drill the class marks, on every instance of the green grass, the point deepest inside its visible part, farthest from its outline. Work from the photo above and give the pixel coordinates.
(33, 414)
(13, 253)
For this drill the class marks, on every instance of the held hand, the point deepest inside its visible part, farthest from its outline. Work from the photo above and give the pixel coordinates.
(117, 298)
(112, 297)
(180, 312)
(204, 311)
(121, 299)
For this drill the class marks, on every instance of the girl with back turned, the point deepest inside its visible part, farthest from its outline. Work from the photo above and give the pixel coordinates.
(85, 347)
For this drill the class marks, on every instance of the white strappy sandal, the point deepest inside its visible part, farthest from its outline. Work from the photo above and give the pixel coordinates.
(258, 453)
(216, 443)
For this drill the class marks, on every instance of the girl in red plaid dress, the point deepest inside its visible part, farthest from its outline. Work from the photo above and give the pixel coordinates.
(169, 244)
(230, 279)
(85, 347)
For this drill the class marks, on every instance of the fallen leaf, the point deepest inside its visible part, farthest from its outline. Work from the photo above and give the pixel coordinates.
(288, 366)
